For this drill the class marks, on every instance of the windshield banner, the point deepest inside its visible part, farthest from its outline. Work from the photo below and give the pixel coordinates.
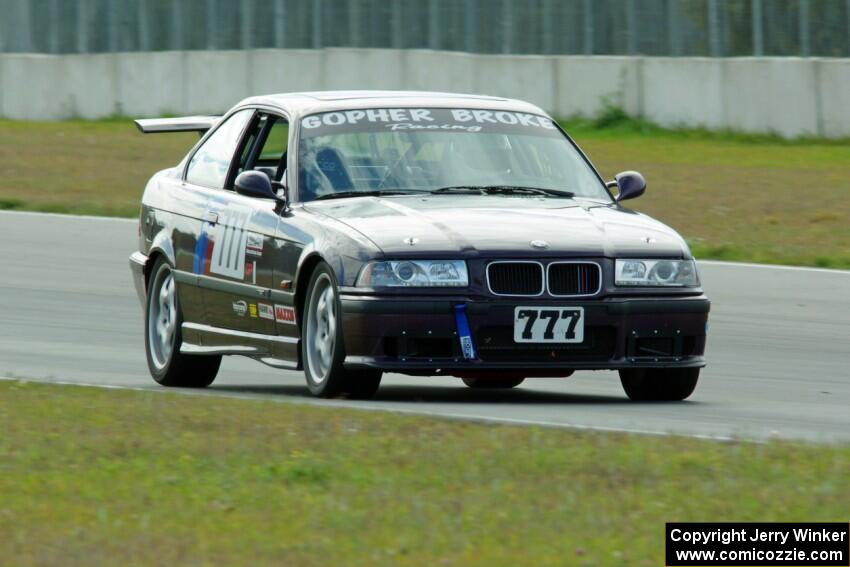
(426, 120)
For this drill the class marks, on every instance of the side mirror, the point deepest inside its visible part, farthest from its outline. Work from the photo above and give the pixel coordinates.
(629, 184)
(255, 184)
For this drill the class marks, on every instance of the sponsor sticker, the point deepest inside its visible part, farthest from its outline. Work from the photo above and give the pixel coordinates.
(240, 308)
(467, 348)
(253, 309)
(266, 311)
(254, 244)
(455, 119)
(284, 314)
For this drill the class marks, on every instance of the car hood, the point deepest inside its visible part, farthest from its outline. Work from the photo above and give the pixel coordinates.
(502, 226)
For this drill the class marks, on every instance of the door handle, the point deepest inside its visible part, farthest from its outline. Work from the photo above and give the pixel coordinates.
(211, 217)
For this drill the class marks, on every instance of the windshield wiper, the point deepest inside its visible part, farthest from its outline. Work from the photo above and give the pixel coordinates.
(463, 189)
(519, 190)
(502, 190)
(344, 194)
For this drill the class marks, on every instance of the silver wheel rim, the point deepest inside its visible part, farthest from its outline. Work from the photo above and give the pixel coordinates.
(162, 319)
(320, 333)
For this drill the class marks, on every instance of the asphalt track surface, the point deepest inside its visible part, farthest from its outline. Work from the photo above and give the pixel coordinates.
(778, 349)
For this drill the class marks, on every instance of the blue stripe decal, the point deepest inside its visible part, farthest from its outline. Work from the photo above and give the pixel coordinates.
(467, 346)
(200, 251)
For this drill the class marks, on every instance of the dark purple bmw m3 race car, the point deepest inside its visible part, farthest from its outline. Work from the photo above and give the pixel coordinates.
(350, 234)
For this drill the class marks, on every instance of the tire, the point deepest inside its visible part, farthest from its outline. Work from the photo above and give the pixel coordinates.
(163, 337)
(322, 347)
(659, 384)
(492, 383)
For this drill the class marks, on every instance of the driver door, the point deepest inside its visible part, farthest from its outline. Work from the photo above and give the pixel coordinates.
(243, 234)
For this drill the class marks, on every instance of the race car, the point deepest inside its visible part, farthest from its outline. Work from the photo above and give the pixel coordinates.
(350, 234)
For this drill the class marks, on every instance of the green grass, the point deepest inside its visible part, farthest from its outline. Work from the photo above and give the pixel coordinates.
(97, 477)
(81, 167)
(733, 196)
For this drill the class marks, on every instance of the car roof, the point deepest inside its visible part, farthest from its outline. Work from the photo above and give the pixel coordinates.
(303, 103)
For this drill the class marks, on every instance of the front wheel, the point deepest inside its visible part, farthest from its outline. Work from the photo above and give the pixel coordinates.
(659, 384)
(323, 351)
(163, 321)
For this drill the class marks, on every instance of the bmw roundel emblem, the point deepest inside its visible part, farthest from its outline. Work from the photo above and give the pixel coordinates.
(539, 244)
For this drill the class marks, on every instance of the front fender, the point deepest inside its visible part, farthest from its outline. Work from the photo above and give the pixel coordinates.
(140, 263)
(163, 245)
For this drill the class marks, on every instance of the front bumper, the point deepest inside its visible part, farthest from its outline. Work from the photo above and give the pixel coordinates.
(138, 261)
(419, 335)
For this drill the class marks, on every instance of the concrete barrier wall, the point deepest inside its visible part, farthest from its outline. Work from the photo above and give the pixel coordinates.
(788, 96)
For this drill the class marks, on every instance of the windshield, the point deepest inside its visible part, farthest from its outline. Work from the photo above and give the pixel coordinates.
(418, 150)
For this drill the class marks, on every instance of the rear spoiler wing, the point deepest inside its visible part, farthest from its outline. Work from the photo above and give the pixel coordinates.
(198, 124)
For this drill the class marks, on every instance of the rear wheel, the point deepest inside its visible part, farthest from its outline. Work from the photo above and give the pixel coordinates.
(323, 351)
(659, 384)
(163, 321)
(492, 383)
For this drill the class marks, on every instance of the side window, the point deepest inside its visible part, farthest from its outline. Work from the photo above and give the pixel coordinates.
(256, 131)
(211, 162)
(276, 142)
(270, 155)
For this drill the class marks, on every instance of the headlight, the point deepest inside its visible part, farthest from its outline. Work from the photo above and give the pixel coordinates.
(414, 273)
(679, 273)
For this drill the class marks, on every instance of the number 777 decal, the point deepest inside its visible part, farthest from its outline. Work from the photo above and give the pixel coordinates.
(549, 325)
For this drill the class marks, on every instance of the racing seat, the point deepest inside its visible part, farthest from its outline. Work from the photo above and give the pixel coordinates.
(327, 172)
(331, 162)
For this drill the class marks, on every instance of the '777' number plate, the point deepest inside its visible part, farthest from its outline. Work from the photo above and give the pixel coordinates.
(549, 325)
